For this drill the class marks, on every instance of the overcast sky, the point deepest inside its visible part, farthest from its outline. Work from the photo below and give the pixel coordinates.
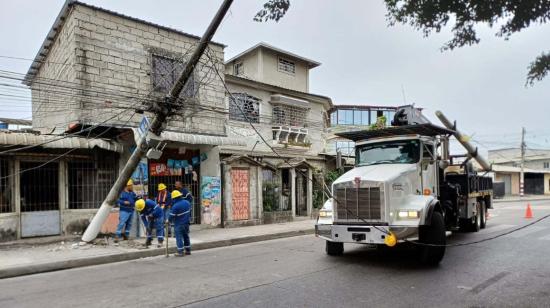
(363, 60)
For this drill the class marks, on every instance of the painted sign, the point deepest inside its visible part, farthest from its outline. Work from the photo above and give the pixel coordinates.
(141, 178)
(240, 195)
(211, 200)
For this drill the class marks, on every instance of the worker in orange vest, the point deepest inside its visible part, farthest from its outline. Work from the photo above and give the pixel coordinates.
(164, 200)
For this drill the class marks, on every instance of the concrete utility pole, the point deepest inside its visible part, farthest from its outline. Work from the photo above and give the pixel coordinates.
(162, 111)
(521, 175)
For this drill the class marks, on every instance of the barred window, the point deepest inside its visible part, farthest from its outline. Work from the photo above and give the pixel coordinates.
(287, 66)
(90, 181)
(6, 201)
(289, 115)
(166, 72)
(250, 105)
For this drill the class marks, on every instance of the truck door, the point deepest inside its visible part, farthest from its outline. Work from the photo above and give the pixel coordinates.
(428, 168)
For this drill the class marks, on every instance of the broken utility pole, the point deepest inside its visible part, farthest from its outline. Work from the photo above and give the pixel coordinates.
(162, 111)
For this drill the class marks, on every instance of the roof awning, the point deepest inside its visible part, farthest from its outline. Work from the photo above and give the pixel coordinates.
(56, 141)
(287, 100)
(201, 139)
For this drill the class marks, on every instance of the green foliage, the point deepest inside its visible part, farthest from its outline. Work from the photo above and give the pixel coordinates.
(331, 176)
(380, 123)
(270, 197)
(510, 16)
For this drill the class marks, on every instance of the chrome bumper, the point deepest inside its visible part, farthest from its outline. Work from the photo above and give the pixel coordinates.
(364, 234)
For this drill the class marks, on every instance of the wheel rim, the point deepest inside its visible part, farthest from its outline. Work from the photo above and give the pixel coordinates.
(478, 216)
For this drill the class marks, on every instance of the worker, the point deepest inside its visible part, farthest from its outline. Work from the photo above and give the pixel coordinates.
(179, 215)
(165, 202)
(184, 191)
(125, 203)
(153, 217)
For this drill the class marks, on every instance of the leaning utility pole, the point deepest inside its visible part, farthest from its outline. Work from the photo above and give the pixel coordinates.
(162, 111)
(521, 175)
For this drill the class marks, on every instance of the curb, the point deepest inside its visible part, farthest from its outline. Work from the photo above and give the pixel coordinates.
(520, 200)
(132, 255)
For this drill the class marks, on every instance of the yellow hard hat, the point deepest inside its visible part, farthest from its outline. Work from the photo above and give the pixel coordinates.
(140, 205)
(130, 182)
(162, 186)
(176, 193)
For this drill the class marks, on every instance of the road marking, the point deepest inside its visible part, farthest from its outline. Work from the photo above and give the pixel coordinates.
(526, 231)
(545, 238)
(495, 228)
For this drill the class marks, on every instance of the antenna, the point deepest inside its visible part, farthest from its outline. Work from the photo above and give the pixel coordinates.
(403, 92)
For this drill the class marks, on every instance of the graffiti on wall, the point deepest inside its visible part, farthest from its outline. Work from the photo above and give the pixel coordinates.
(211, 200)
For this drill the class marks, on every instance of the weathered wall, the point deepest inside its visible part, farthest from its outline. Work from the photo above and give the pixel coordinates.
(271, 74)
(112, 59)
(547, 184)
(251, 66)
(9, 226)
(254, 190)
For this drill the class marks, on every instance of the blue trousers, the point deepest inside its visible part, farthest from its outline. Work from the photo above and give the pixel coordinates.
(182, 237)
(158, 225)
(166, 217)
(124, 222)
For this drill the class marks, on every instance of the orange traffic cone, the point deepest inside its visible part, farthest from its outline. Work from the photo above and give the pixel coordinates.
(528, 212)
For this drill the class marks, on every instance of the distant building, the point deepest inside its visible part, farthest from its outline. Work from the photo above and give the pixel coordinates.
(506, 165)
(353, 117)
(15, 124)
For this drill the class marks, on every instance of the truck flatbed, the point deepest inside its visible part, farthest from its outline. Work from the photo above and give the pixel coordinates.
(427, 129)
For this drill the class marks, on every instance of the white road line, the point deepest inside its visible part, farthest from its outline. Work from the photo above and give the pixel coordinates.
(526, 231)
(494, 228)
(545, 238)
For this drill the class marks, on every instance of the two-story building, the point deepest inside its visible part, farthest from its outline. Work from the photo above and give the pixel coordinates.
(277, 176)
(95, 78)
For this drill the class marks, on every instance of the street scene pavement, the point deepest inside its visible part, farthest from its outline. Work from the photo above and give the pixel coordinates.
(510, 271)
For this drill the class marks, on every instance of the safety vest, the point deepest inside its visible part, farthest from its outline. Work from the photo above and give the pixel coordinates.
(161, 198)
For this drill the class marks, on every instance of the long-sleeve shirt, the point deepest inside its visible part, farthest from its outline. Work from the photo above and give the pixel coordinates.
(151, 209)
(180, 212)
(129, 196)
(187, 195)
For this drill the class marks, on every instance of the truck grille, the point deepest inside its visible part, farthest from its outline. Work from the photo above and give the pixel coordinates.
(358, 203)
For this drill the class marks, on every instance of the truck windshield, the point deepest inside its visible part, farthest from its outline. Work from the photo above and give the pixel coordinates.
(391, 152)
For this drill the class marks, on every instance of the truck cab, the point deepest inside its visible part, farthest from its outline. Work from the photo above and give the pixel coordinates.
(398, 192)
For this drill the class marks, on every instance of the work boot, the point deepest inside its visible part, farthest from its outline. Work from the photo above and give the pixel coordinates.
(125, 237)
(159, 244)
(148, 242)
(187, 252)
(115, 240)
(179, 254)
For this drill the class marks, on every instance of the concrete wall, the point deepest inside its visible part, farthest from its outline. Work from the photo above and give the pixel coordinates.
(271, 74)
(314, 123)
(9, 227)
(547, 184)
(254, 190)
(251, 65)
(112, 55)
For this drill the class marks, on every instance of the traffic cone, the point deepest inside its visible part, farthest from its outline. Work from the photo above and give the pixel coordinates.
(528, 211)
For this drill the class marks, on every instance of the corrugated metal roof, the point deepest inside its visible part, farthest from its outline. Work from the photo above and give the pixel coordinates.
(16, 121)
(55, 141)
(201, 139)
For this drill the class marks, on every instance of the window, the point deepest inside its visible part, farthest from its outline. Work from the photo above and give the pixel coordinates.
(238, 69)
(6, 204)
(166, 72)
(289, 115)
(333, 118)
(91, 180)
(546, 165)
(345, 147)
(248, 104)
(287, 66)
(271, 189)
(394, 152)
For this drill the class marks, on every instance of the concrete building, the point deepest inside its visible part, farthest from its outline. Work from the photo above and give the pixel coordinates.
(506, 164)
(96, 75)
(268, 181)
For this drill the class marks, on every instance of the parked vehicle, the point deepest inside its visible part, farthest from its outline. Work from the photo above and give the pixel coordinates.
(405, 187)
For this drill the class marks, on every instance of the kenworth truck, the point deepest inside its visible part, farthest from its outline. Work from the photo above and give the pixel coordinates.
(406, 187)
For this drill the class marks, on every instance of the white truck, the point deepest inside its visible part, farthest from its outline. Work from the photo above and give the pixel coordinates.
(405, 187)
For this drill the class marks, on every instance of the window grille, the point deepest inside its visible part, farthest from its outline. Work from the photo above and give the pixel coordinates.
(289, 115)
(6, 201)
(287, 66)
(39, 186)
(249, 105)
(166, 72)
(271, 191)
(90, 181)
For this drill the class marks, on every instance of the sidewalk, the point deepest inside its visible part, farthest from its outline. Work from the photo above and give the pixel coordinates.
(524, 198)
(31, 259)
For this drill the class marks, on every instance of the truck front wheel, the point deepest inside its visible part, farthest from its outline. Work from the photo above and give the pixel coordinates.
(434, 234)
(334, 248)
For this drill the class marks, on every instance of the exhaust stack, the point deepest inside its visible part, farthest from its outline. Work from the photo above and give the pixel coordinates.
(467, 145)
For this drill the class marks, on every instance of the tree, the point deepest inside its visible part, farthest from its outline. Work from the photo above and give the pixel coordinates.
(511, 16)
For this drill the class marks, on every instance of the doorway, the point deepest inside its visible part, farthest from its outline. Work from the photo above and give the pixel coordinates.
(39, 189)
(301, 192)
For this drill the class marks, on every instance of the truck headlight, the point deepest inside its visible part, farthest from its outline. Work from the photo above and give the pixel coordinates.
(407, 214)
(325, 213)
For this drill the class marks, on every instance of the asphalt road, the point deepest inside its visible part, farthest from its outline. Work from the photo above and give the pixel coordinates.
(511, 271)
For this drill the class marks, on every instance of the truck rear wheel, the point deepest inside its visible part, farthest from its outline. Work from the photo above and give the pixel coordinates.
(433, 234)
(476, 223)
(334, 248)
(483, 215)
